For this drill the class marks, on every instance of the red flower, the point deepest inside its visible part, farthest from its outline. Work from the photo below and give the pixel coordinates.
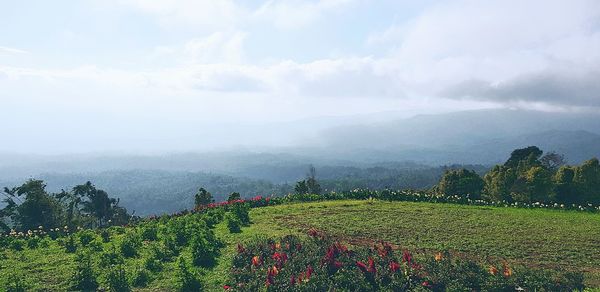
(372, 268)
(406, 257)
(226, 287)
(292, 280)
(309, 272)
(362, 266)
(426, 284)
(256, 261)
(394, 266)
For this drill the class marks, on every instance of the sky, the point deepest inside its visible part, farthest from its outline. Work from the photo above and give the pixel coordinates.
(185, 75)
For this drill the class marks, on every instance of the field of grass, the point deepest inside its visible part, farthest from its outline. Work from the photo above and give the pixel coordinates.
(536, 238)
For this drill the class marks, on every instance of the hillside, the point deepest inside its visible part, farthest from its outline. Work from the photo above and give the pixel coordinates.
(518, 236)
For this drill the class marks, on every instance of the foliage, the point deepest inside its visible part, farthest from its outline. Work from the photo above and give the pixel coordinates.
(202, 197)
(186, 278)
(310, 185)
(321, 264)
(130, 244)
(234, 197)
(117, 280)
(84, 278)
(140, 277)
(461, 182)
(233, 223)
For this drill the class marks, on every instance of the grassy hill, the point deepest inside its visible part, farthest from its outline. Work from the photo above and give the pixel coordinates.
(536, 238)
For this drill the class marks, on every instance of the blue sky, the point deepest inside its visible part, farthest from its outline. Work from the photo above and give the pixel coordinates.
(156, 75)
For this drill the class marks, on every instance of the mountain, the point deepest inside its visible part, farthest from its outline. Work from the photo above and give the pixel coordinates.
(470, 137)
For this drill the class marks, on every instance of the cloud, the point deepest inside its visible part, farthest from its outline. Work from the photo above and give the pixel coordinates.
(199, 14)
(294, 14)
(557, 89)
(11, 51)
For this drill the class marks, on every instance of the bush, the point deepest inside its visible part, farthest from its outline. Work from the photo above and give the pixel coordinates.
(17, 244)
(233, 223)
(140, 278)
(70, 244)
(205, 248)
(117, 280)
(187, 280)
(241, 210)
(111, 257)
(84, 277)
(149, 232)
(105, 235)
(16, 284)
(129, 245)
(86, 236)
(33, 242)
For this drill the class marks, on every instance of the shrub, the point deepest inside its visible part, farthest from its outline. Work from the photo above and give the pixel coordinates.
(33, 242)
(149, 232)
(111, 257)
(70, 244)
(233, 223)
(16, 284)
(187, 279)
(129, 245)
(117, 280)
(86, 236)
(241, 211)
(84, 277)
(140, 278)
(105, 235)
(205, 248)
(17, 244)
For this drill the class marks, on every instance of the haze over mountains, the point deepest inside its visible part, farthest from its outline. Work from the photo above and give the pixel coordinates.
(376, 153)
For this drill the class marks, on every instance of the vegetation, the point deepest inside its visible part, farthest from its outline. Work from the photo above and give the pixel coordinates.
(31, 207)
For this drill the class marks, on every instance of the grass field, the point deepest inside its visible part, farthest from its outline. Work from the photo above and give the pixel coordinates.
(547, 238)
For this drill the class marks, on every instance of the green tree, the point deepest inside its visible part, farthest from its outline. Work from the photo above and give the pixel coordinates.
(538, 184)
(203, 197)
(30, 206)
(234, 196)
(587, 181)
(564, 185)
(461, 182)
(529, 155)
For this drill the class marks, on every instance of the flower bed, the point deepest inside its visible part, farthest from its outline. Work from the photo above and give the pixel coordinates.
(319, 264)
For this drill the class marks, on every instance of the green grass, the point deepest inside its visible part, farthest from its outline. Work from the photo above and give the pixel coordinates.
(537, 238)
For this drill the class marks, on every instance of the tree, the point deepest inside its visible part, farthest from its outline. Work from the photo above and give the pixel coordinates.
(538, 183)
(301, 187)
(30, 206)
(310, 185)
(564, 185)
(529, 154)
(552, 160)
(234, 196)
(461, 182)
(498, 183)
(203, 197)
(587, 181)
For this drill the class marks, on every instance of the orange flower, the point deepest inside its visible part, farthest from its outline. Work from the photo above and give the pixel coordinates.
(438, 256)
(507, 271)
(256, 261)
(493, 270)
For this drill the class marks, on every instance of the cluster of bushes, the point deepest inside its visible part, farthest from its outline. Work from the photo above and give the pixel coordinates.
(30, 207)
(119, 258)
(320, 264)
(529, 177)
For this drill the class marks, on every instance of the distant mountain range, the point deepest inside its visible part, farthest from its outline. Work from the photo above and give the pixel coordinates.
(471, 137)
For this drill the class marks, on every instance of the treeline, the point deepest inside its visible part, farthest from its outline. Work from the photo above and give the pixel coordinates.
(31, 207)
(528, 176)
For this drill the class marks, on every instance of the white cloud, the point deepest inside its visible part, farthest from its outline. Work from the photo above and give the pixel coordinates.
(293, 14)
(200, 14)
(11, 51)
